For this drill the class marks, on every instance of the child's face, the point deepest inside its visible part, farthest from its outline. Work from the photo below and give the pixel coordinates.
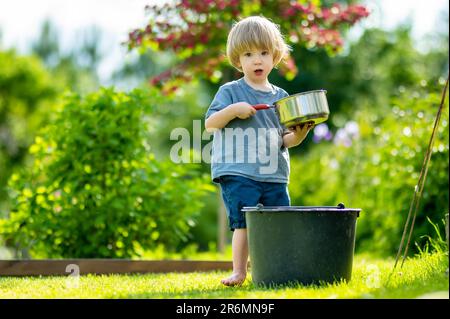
(256, 64)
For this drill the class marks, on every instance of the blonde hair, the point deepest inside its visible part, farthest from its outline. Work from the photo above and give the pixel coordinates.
(255, 33)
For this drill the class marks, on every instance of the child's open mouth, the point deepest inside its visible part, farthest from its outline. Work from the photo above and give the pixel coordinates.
(258, 72)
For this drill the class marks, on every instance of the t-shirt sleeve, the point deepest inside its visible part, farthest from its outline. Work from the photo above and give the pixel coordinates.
(221, 100)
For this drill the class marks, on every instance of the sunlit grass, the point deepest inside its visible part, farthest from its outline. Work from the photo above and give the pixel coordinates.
(418, 276)
(189, 252)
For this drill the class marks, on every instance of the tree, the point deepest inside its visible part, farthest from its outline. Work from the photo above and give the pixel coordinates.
(90, 52)
(27, 92)
(76, 69)
(196, 31)
(138, 68)
(47, 45)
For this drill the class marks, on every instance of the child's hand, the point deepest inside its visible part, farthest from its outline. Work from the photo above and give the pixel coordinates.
(302, 130)
(297, 135)
(243, 110)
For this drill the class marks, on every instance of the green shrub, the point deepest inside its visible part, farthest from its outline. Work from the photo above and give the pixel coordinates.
(95, 190)
(27, 92)
(379, 170)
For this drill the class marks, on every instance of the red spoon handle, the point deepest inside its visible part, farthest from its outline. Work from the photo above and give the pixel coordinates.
(262, 106)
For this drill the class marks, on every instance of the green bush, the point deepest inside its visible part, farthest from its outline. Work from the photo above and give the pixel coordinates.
(27, 92)
(95, 190)
(379, 170)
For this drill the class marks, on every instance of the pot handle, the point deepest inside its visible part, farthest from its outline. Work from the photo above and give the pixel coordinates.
(261, 107)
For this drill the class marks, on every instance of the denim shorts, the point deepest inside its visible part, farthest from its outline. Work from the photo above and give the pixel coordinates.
(239, 191)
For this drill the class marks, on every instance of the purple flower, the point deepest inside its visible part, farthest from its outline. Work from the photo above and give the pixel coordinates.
(342, 138)
(345, 136)
(322, 132)
(352, 129)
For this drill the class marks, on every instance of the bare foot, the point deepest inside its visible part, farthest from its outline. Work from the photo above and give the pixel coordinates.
(236, 279)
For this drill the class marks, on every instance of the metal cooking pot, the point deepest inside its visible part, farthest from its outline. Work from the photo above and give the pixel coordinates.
(306, 107)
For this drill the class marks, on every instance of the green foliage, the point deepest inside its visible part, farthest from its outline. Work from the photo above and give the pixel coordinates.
(434, 244)
(379, 63)
(26, 91)
(380, 169)
(186, 109)
(373, 68)
(94, 190)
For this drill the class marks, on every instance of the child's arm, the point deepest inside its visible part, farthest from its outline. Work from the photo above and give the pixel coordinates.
(297, 135)
(221, 118)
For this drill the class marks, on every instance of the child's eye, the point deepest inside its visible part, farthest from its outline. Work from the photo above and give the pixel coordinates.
(247, 54)
(265, 52)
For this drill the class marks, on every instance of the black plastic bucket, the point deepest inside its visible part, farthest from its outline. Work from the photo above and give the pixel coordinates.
(304, 244)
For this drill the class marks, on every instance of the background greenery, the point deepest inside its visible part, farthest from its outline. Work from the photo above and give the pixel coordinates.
(95, 189)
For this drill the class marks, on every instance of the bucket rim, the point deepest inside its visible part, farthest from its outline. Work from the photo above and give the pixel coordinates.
(268, 209)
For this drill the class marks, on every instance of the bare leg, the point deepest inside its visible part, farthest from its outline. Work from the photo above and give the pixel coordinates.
(240, 257)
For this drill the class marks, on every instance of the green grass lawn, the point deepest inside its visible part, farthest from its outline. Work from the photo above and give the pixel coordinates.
(419, 275)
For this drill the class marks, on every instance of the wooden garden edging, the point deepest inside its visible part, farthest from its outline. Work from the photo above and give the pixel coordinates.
(48, 267)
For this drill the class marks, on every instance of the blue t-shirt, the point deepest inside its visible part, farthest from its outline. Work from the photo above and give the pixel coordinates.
(251, 147)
